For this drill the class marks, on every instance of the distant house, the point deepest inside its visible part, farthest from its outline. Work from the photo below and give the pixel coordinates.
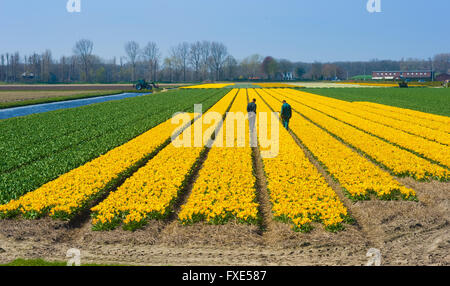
(412, 75)
(287, 76)
(443, 77)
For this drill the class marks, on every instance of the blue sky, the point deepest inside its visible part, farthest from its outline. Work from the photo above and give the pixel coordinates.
(299, 30)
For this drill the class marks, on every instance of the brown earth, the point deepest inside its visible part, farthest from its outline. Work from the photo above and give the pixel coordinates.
(14, 96)
(59, 87)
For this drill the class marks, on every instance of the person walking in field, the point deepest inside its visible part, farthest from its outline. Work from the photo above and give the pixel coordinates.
(251, 110)
(286, 114)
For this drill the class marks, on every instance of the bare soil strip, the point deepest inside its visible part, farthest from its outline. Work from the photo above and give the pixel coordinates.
(262, 195)
(16, 96)
(56, 87)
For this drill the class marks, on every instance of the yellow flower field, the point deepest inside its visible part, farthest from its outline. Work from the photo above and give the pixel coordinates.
(357, 176)
(69, 193)
(225, 187)
(275, 85)
(150, 192)
(429, 149)
(412, 128)
(299, 194)
(399, 161)
(210, 85)
(432, 121)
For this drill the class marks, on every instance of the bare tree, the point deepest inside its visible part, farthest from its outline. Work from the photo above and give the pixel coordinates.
(205, 58)
(195, 58)
(45, 65)
(152, 55)
(230, 67)
(2, 71)
(180, 54)
(132, 51)
(176, 64)
(168, 67)
(441, 63)
(251, 66)
(218, 55)
(83, 49)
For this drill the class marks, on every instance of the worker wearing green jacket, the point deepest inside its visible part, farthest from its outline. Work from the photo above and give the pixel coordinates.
(286, 114)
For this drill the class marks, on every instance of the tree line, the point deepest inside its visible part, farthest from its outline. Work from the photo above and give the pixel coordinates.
(188, 62)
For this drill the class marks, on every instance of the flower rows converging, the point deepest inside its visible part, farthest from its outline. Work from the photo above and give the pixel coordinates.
(298, 192)
(275, 85)
(73, 191)
(152, 190)
(432, 121)
(397, 160)
(412, 128)
(211, 85)
(358, 176)
(225, 187)
(426, 148)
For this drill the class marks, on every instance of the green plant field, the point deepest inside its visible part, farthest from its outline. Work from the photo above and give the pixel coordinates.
(431, 100)
(39, 148)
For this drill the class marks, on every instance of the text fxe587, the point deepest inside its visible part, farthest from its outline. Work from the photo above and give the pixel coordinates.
(211, 277)
(228, 133)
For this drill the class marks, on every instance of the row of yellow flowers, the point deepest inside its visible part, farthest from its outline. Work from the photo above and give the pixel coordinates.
(210, 85)
(399, 161)
(71, 192)
(225, 187)
(433, 121)
(151, 191)
(412, 128)
(358, 176)
(275, 85)
(429, 149)
(299, 194)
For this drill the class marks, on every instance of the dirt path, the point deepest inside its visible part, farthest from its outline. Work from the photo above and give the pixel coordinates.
(59, 87)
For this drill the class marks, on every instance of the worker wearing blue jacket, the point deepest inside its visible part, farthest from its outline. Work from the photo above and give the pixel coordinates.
(286, 114)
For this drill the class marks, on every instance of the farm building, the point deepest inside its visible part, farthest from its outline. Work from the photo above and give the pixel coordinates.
(414, 75)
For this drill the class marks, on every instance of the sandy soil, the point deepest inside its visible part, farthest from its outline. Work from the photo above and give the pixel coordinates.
(70, 87)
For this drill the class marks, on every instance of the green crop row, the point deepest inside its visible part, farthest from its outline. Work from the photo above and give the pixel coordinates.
(32, 138)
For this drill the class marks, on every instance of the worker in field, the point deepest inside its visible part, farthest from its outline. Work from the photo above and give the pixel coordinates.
(286, 114)
(251, 110)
